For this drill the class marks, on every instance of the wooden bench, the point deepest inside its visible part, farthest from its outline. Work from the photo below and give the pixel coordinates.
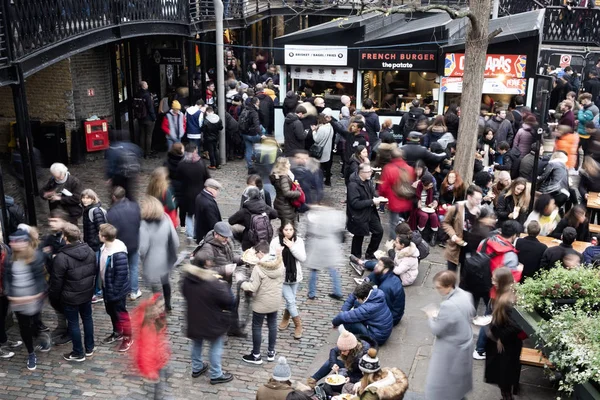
(594, 228)
(534, 358)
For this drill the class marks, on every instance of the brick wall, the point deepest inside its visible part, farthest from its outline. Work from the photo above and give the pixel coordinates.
(91, 70)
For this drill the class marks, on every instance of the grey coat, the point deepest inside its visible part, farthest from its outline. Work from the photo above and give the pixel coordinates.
(450, 374)
(324, 238)
(158, 249)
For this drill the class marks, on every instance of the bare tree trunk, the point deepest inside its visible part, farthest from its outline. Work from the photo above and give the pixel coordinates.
(475, 57)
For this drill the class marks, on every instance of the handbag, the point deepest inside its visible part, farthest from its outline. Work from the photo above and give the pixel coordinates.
(297, 203)
(315, 151)
(403, 188)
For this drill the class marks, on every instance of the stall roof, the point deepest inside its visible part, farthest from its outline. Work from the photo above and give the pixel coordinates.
(423, 23)
(514, 27)
(351, 22)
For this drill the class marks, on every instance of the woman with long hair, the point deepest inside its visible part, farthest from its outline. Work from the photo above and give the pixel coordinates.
(293, 253)
(159, 187)
(577, 219)
(453, 189)
(486, 146)
(435, 131)
(360, 156)
(25, 287)
(514, 202)
(503, 349)
(282, 179)
(546, 213)
(158, 247)
(379, 383)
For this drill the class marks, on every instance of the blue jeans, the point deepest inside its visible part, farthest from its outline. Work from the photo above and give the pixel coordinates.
(257, 323)
(189, 225)
(171, 142)
(289, 294)
(358, 328)
(249, 142)
(370, 264)
(271, 190)
(98, 288)
(214, 356)
(482, 337)
(326, 369)
(72, 314)
(335, 281)
(134, 274)
(394, 221)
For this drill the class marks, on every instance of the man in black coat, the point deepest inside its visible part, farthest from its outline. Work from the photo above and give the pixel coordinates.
(192, 173)
(361, 211)
(125, 216)
(413, 152)
(249, 124)
(209, 304)
(355, 136)
(72, 285)
(530, 250)
(557, 253)
(266, 110)
(293, 131)
(207, 212)
(63, 190)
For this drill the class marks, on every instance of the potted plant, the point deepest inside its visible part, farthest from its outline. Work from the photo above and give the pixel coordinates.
(572, 343)
(550, 290)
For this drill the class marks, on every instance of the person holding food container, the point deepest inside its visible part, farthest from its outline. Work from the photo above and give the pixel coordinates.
(425, 212)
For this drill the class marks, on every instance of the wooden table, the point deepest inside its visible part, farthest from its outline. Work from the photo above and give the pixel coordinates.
(593, 204)
(551, 242)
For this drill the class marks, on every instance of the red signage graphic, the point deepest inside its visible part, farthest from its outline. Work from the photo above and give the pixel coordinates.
(508, 65)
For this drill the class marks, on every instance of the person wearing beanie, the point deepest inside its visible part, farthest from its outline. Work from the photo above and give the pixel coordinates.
(379, 383)
(343, 359)
(173, 124)
(279, 385)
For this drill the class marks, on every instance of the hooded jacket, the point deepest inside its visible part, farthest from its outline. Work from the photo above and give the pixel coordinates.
(266, 282)
(373, 312)
(504, 255)
(194, 119)
(244, 216)
(212, 127)
(585, 115)
(173, 125)
(125, 216)
(290, 103)
(524, 139)
(359, 205)
(253, 127)
(284, 197)
(393, 290)
(209, 303)
(406, 264)
(293, 134)
(158, 249)
(511, 162)
(389, 176)
(74, 277)
(91, 227)
(116, 274)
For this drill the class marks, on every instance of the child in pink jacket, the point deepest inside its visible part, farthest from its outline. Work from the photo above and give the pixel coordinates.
(406, 261)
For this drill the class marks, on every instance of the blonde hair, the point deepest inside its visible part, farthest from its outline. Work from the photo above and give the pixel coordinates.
(159, 183)
(91, 194)
(151, 209)
(369, 378)
(281, 167)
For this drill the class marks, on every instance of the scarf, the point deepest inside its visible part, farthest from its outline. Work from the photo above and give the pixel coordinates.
(62, 181)
(450, 188)
(289, 261)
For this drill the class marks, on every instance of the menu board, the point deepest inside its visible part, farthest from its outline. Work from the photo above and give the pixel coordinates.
(343, 75)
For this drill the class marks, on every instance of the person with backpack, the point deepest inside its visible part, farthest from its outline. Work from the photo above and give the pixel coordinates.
(194, 117)
(249, 125)
(409, 120)
(254, 216)
(212, 132)
(15, 214)
(501, 250)
(143, 111)
(293, 254)
(283, 180)
(93, 216)
(123, 162)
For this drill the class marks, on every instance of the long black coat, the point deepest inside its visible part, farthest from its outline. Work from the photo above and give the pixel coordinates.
(503, 368)
(266, 112)
(530, 251)
(209, 303)
(71, 204)
(359, 205)
(74, 277)
(192, 176)
(172, 163)
(207, 214)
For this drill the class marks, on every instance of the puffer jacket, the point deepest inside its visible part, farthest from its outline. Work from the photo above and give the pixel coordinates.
(389, 176)
(244, 217)
(74, 277)
(220, 254)
(290, 102)
(354, 372)
(91, 227)
(524, 139)
(406, 264)
(569, 143)
(554, 179)
(284, 196)
(392, 387)
(585, 115)
(212, 127)
(209, 303)
(298, 251)
(158, 248)
(374, 313)
(293, 134)
(116, 274)
(392, 288)
(266, 282)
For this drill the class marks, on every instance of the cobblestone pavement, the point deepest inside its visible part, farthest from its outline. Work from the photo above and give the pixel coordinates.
(108, 374)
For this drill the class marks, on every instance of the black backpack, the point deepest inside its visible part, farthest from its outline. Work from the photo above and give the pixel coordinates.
(411, 122)
(476, 274)
(16, 215)
(140, 111)
(244, 121)
(518, 121)
(260, 229)
(129, 163)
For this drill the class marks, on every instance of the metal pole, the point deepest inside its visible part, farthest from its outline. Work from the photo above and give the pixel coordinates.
(220, 75)
(130, 93)
(538, 140)
(191, 65)
(203, 66)
(23, 128)
(495, 7)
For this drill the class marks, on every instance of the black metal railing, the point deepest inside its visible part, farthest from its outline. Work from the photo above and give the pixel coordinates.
(576, 25)
(35, 24)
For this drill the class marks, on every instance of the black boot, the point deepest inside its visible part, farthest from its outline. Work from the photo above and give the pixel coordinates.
(433, 240)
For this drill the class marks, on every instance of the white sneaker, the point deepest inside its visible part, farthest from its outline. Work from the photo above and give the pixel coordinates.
(136, 295)
(478, 356)
(482, 320)
(359, 281)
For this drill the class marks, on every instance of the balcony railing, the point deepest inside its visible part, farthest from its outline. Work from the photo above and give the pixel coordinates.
(33, 25)
(568, 26)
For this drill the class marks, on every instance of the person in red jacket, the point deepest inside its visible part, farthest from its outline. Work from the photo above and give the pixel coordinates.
(503, 251)
(395, 171)
(568, 141)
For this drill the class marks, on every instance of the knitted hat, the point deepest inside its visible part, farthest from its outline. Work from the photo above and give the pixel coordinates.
(175, 105)
(282, 371)
(369, 363)
(19, 235)
(346, 341)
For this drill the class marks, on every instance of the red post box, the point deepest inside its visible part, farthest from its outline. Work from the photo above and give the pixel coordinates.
(96, 135)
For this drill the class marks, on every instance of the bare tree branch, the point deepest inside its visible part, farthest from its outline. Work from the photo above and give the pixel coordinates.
(495, 33)
(452, 12)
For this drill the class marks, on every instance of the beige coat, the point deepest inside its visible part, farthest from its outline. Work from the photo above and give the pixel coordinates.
(266, 282)
(453, 225)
